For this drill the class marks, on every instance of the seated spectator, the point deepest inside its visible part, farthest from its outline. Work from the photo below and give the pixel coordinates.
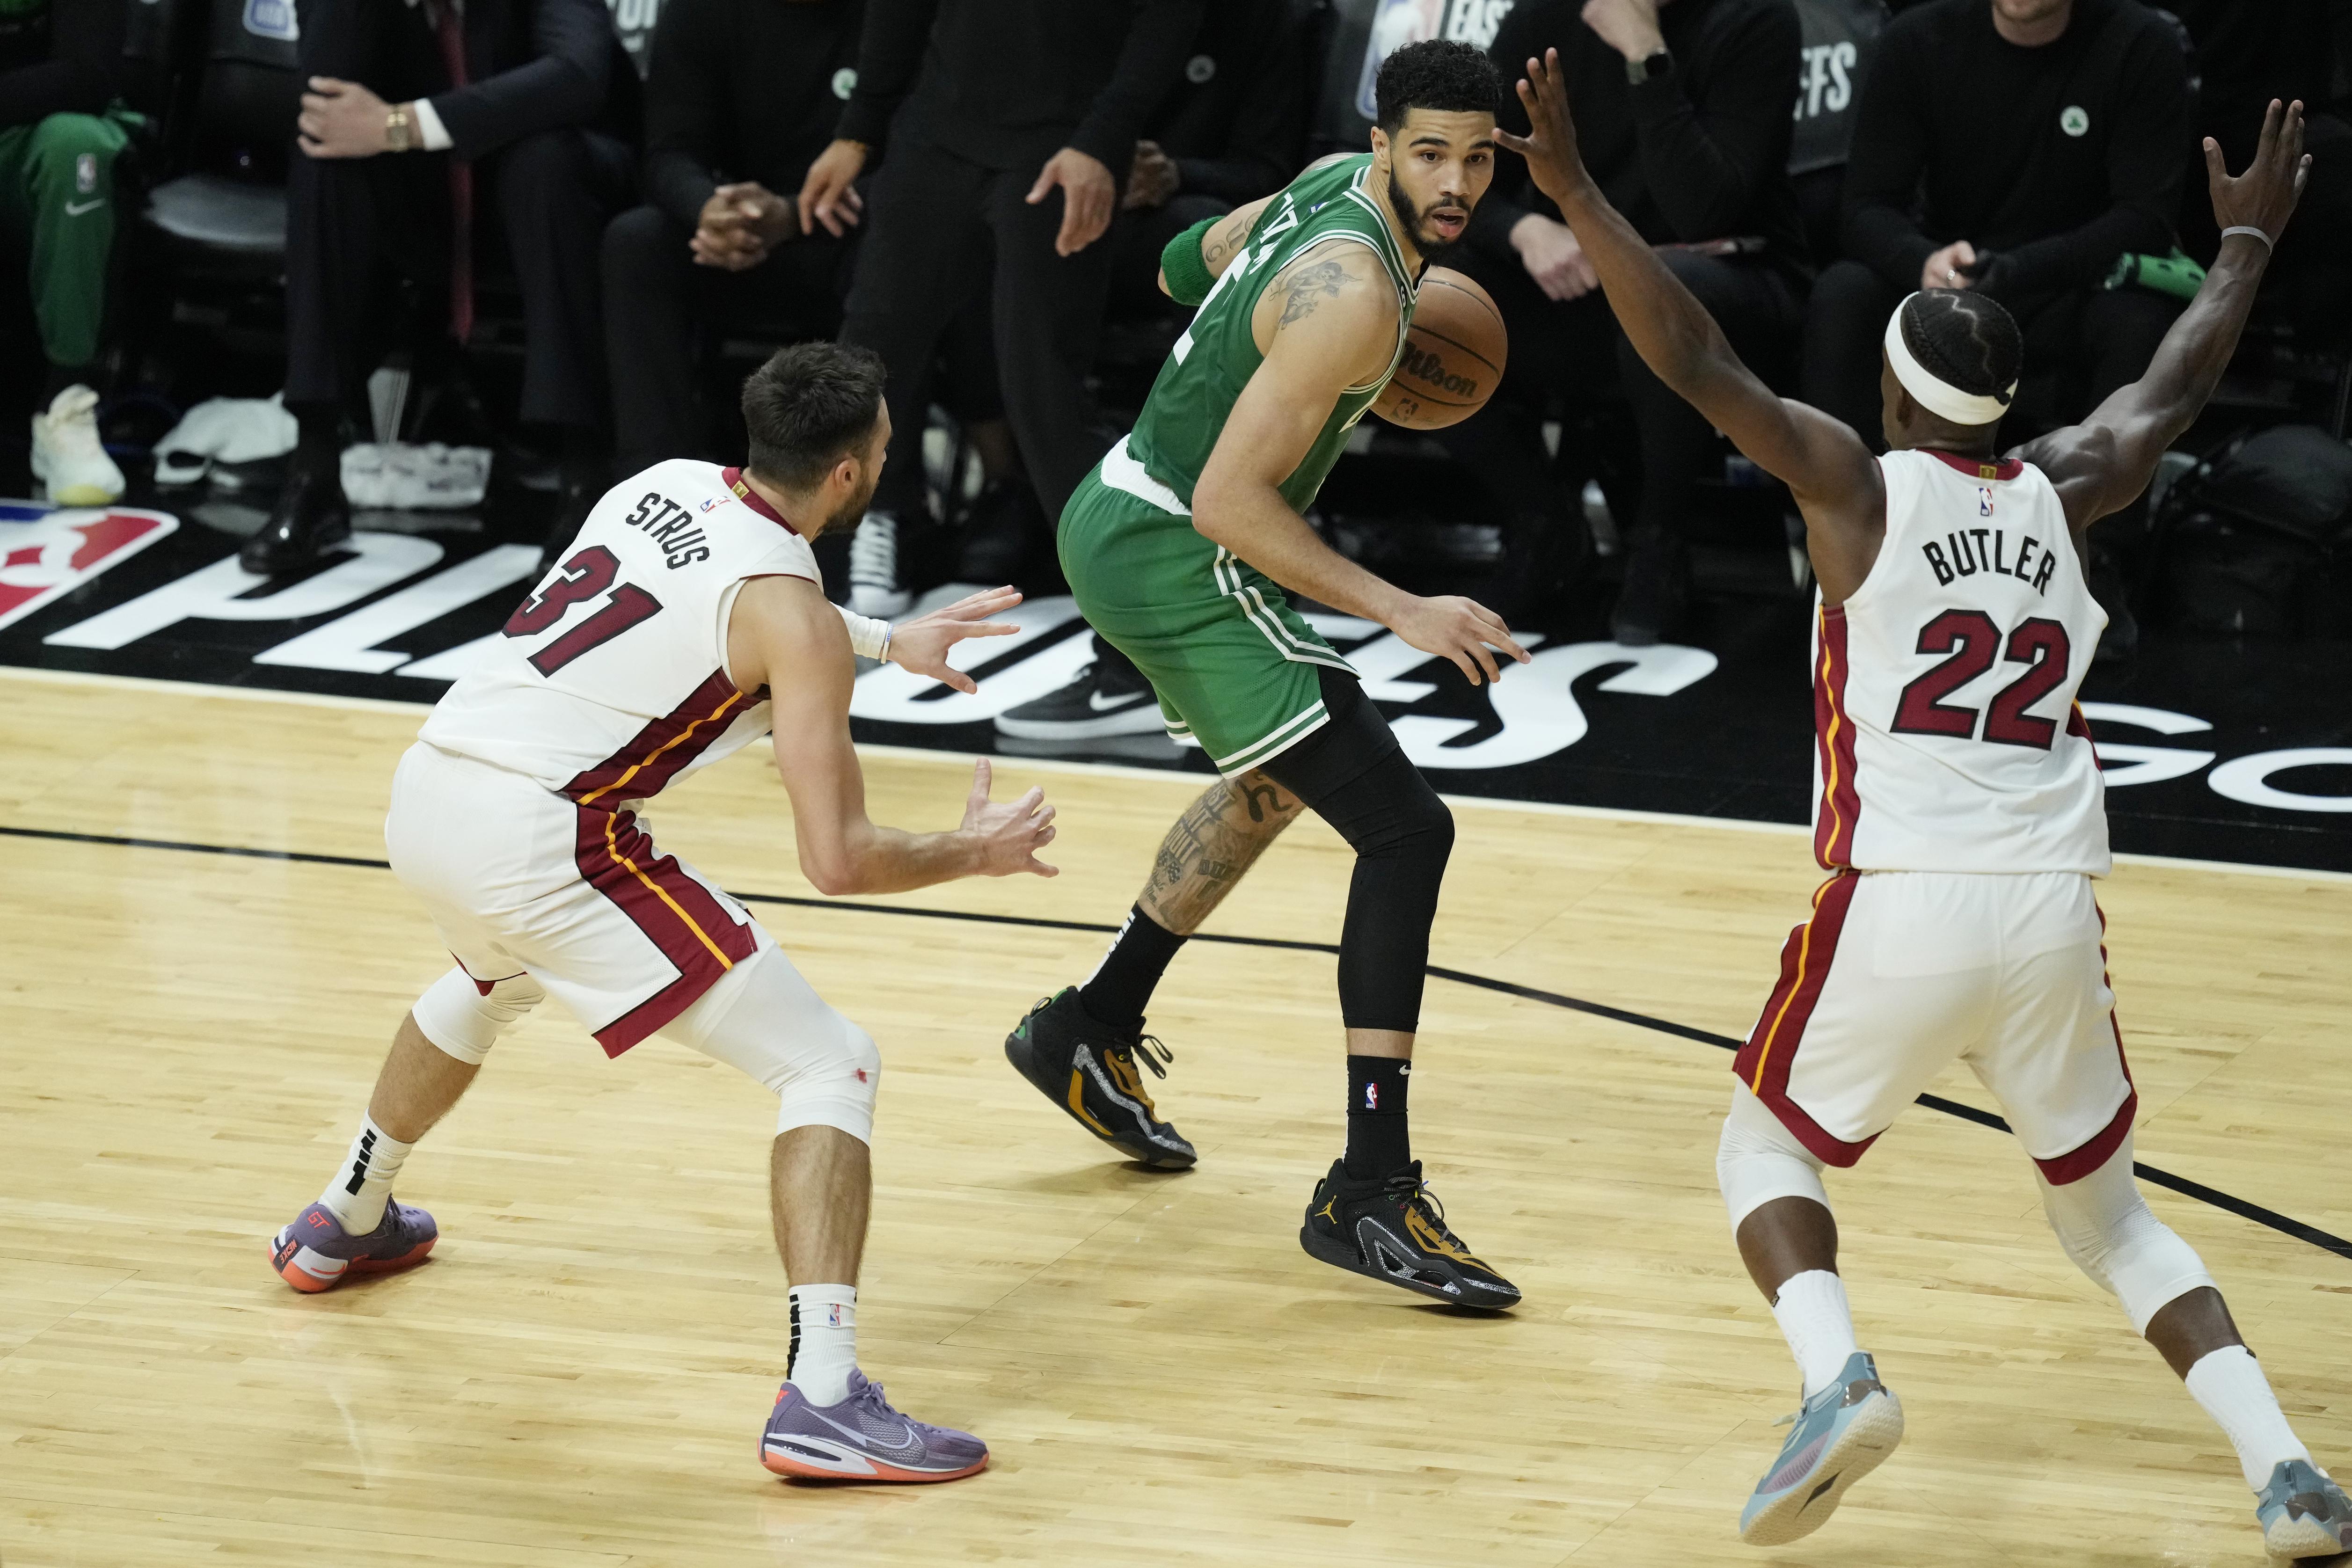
(2018, 147)
(1683, 110)
(421, 123)
(59, 64)
(2244, 57)
(1234, 129)
(743, 96)
(989, 109)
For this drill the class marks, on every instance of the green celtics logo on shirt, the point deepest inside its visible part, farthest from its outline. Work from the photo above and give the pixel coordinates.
(2073, 119)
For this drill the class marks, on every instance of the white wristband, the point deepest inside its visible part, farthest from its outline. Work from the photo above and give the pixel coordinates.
(2251, 231)
(868, 638)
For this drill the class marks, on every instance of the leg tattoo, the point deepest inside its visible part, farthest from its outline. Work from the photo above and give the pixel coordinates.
(1218, 838)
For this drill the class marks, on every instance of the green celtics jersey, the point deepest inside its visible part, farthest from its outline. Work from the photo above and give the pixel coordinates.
(1217, 354)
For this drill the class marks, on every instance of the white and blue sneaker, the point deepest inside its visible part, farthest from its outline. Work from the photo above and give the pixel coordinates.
(2302, 1513)
(1842, 1434)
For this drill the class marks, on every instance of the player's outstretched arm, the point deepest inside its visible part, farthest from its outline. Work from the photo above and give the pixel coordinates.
(2101, 464)
(1334, 326)
(784, 635)
(1822, 461)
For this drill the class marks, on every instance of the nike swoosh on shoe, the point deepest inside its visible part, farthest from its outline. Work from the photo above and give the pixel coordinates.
(1096, 701)
(913, 1445)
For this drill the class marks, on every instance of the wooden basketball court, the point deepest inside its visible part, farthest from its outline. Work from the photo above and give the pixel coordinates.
(578, 1377)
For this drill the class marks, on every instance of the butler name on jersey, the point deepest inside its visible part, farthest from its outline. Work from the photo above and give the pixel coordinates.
(610, 681)
(1946, 736)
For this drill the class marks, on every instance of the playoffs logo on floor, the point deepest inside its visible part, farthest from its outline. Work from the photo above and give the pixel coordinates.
(45, 553)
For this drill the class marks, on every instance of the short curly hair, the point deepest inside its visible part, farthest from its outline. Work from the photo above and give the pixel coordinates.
(1437, 74)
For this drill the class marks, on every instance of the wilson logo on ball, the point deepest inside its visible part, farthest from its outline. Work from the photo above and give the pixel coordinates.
(1424, 366)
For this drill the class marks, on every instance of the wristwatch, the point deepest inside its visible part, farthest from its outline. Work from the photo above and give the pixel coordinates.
(399, 129)
(1657, 65)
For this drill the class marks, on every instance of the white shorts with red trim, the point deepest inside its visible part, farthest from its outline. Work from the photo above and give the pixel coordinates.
(1897, 973)
(519, 879)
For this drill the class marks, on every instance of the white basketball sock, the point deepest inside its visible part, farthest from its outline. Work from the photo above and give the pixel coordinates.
(1813, 1317)
(364, 1181)
(824, 1342)
(2230, 1384)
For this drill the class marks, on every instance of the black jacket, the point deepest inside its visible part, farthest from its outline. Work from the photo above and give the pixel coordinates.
(1699, 153)
(2057, 159)
(742, 90)
(62, 58)
(530, 66)
(1235, 119)
(1006, 83)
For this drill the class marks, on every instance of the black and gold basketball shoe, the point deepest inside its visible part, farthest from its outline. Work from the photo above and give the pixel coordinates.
(1394, 1229)
(1089, 1071)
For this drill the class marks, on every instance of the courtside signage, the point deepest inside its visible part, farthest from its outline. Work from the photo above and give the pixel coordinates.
(46, 551)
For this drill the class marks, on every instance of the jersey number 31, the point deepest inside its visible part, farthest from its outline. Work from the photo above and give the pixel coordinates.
(583, 577)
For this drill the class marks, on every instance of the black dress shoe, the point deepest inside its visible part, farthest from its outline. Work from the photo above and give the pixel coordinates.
(311, 515)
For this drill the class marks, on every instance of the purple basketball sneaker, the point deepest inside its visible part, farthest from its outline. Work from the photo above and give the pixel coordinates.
(863, 1440)
(316, 1253)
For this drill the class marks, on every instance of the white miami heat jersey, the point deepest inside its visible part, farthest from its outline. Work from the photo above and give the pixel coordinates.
(1947, 737)
(610, 681)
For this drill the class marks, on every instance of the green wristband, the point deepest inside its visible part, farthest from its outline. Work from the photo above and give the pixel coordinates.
(1188, 279)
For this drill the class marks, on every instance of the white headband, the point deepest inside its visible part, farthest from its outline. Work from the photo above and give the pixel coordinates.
(1936, 394)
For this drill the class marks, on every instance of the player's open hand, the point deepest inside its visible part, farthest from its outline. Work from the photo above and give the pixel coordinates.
(1088, 192)
(829, 196)
(1554, 161)
(1009, 836)
(1462, 630)
(920, 646)
(2263, 197)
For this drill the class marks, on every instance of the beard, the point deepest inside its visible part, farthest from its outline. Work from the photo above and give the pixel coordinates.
(1435, 251)
(849, 512)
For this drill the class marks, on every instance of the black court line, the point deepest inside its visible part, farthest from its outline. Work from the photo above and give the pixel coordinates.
(2284, 1224)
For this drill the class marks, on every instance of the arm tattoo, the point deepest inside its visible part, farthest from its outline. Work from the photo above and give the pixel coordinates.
(1308, 288)
(1218, 838)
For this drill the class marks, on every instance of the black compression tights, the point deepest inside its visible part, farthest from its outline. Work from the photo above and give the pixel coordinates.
(1352, 774)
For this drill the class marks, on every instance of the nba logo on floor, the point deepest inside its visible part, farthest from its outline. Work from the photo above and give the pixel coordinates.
(45, 552)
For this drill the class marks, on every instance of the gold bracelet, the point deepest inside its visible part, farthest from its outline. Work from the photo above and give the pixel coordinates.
(399, 129)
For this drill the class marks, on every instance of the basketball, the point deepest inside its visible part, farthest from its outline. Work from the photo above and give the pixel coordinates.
(1452, 356)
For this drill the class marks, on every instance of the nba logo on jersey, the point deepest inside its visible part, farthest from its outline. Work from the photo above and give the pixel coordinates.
(45, 553)
(1984, 501)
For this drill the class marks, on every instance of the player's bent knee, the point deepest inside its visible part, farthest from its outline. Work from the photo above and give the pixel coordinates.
(834, 1085)
(2110, 1234)
(1757, 1160)
(463, 1018)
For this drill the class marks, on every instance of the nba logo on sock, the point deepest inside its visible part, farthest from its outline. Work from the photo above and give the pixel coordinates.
(45, 553)
(833, 1315)
(1371, 1096)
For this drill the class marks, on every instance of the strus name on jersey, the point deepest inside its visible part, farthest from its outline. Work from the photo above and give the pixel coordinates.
(673, 528)
(1968, 551)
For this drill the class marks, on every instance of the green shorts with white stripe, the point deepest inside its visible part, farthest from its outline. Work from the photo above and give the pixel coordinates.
(1234, 664)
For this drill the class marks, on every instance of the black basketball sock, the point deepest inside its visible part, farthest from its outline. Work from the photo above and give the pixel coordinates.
(1378, 1138)
(1116, 994)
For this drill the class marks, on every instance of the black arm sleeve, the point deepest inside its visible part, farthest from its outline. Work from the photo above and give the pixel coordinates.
(683, 110)
(564, 86)
(1705, 164)
(1269, 133)
(889, 56)
(1882, 173)
(83, 71)
(1147, 66)
(2155, 114)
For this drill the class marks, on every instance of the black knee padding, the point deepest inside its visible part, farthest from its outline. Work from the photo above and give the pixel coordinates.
(1352, 774)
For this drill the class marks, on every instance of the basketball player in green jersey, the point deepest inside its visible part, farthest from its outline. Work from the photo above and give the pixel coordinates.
(1179, 547)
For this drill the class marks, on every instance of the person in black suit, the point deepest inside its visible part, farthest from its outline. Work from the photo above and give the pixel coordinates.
(424, 123)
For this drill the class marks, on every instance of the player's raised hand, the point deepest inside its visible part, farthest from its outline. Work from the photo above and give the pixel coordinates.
(1088, 192)
(1462, 630)
(829, 196)
(2263, 197)
(920, 646)
(1554, 160)
(1009, 836)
